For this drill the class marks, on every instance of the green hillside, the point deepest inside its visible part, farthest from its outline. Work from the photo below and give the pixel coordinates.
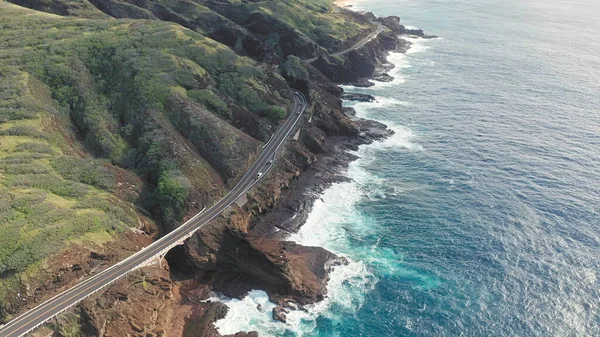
(100, 115)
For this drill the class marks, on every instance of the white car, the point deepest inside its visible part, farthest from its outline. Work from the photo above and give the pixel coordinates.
(259, 175)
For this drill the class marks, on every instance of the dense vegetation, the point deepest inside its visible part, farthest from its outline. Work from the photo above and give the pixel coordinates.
(285, 27)
(319, 20)
(91, 105)
(102, 117)
(294, 69)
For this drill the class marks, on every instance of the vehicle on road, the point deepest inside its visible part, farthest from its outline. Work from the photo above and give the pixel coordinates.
(271, 161)
(45, 311)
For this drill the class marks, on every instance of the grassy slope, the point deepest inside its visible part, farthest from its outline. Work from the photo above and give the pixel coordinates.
(44, 205)
(319, 20)
(148, 96)
(80, 8)
(90, 105)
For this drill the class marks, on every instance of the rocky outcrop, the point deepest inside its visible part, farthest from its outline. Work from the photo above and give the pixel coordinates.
(356, 66)
(144, 301)
(393, 23)
(359, 66)
(235, 262)
(419, 33)
(244, 334)
(355, 96)
(245, 248)
(279, 314)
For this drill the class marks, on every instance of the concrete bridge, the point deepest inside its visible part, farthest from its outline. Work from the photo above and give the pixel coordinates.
(47, 310)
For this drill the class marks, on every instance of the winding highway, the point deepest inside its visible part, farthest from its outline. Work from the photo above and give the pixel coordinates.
(37, 316)
(358, 45)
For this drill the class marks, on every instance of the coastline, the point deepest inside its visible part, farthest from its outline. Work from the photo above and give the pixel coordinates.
(344, 3)
(428, 188)
(287, 220)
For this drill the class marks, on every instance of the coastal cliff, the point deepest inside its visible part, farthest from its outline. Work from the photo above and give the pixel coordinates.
(174, 102)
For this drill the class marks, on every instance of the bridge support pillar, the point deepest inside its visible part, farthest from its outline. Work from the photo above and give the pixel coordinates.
(160, 258)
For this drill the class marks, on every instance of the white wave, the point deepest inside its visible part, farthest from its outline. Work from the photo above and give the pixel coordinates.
(380, 102)
(403, 136)
(254, 310)
(347, 285)
(357, 5)
(333, 221)
(331, 217)
(418, 45)
(401, 62)
(337, 209)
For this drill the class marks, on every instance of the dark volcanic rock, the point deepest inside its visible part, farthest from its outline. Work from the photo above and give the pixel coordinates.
(357, 66)
(279, 313)
(419, 33)
(355, 96)
(100, 256)
(244, 334)
(371, 131)
(349, 111)
(239, 262)
(383, 78)
(403, 46)
(393, 23)
(388, 40)
(342, 261)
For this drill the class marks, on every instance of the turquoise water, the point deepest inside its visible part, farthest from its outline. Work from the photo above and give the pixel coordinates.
(480, 216)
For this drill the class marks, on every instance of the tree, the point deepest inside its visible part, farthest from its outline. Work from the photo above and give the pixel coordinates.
(275, 113)
(172, 193)
(293, 68)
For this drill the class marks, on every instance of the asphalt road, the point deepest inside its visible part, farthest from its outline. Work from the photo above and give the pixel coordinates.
(358, 45)
(52, 307)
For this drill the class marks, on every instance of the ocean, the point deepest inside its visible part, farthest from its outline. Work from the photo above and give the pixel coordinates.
(480, 216)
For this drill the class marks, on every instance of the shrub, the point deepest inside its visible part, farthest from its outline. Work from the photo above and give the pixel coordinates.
(52, 183)
(172, 193)
(90, 172)
(275, 113)
(29, 168)
(293, 68)
(34, 147)
(211, 101)
(23, 130)
(233, 84)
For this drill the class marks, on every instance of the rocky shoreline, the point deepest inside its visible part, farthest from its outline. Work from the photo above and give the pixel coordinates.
(292, 210)
(246, 248)
(325, 157)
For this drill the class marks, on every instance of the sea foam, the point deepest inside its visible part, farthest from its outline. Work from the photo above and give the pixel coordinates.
(347, 284)
(403, 136)
(334, 223)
